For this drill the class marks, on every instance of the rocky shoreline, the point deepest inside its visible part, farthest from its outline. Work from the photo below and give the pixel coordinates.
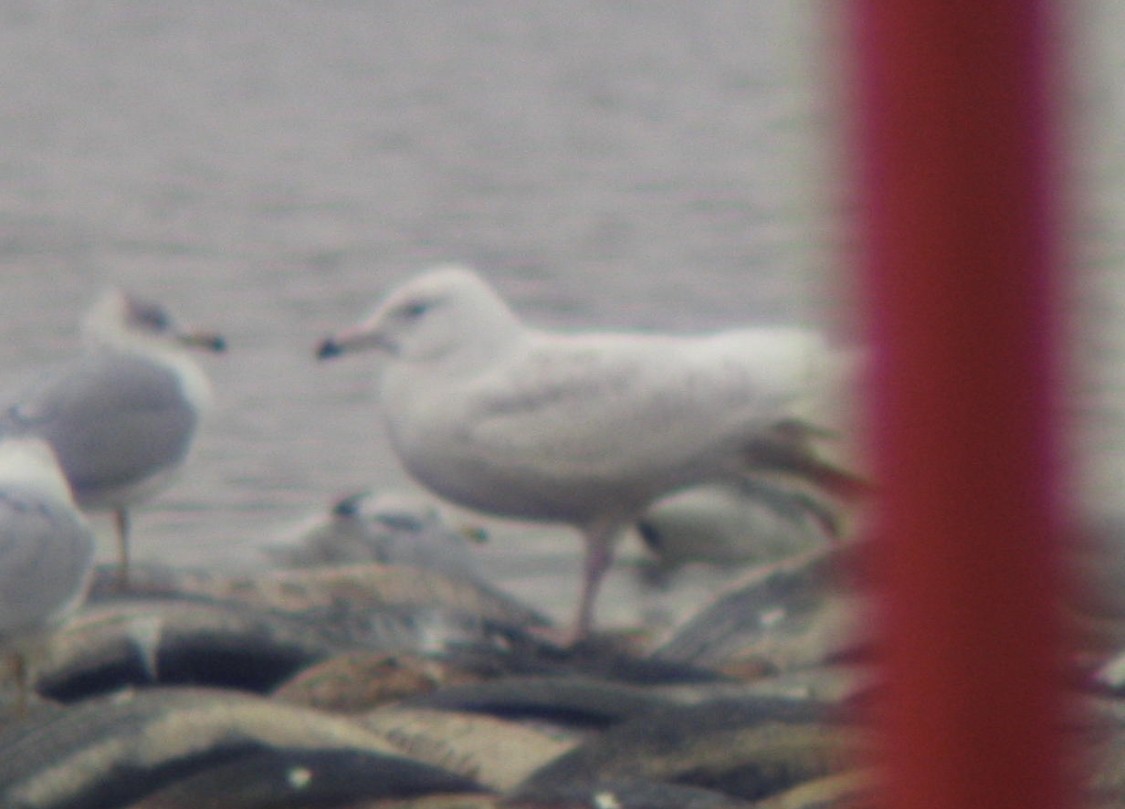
(370, 685)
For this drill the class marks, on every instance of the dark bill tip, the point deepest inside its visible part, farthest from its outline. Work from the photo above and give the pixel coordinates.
(349, 505)
(328, 348)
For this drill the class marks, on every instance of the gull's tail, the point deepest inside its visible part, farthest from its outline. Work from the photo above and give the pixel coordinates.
(788, 450)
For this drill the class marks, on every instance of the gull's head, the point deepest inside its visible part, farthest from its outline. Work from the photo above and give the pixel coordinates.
(30, 462)
(123, 320)
(446, 310)
(401, 512)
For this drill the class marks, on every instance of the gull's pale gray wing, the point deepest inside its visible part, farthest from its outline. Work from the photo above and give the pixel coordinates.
(610, 406)
(111, 418)
(46, 551)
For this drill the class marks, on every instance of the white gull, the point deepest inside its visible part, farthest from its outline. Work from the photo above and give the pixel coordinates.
(585, 428)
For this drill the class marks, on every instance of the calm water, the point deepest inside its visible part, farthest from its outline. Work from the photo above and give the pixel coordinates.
(268, 168)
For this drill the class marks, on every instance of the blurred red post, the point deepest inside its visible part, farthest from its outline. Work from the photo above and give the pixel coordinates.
(957, 130)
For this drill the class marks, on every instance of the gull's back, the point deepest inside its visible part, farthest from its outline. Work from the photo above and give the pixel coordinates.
(122, 415)
(565, 426)
(114, 419)
(655, 398)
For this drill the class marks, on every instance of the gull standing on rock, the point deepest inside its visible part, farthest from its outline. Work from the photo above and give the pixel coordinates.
(46, 550)
(585, 428)
(121, 417)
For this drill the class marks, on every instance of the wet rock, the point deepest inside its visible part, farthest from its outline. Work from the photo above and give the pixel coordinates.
(360, 681)
(569, 701)
(265, 779)
(723, 746)
(854, 789)
(806, 611)
(517, 652)
(348, 589)
(495, 753)
(139, 642)
(627, 794)
(825, 688)
(458, 801)
(109, 751)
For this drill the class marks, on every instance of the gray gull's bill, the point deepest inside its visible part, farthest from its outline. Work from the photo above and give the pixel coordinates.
(585, 428)
(46, 551)
(122, 416)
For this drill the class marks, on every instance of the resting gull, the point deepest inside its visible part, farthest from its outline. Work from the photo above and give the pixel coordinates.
(121, 417)
(584, 428)
(46, 550)
(733, 524)
(388, 527)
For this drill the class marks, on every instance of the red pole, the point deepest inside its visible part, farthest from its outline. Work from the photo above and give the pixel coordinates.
(962, 242)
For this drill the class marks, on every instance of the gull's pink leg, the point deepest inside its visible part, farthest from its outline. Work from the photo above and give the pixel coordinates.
(599, 540)
(121, 522)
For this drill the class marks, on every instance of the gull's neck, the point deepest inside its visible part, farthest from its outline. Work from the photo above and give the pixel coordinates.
(193, 381)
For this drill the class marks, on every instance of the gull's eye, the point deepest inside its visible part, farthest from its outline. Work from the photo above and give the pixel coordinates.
(148, 316)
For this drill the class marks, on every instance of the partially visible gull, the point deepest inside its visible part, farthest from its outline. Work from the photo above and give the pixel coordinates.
(738, 523)
(122, 416)
(585, 428)
(389, 527)
(46, 551)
